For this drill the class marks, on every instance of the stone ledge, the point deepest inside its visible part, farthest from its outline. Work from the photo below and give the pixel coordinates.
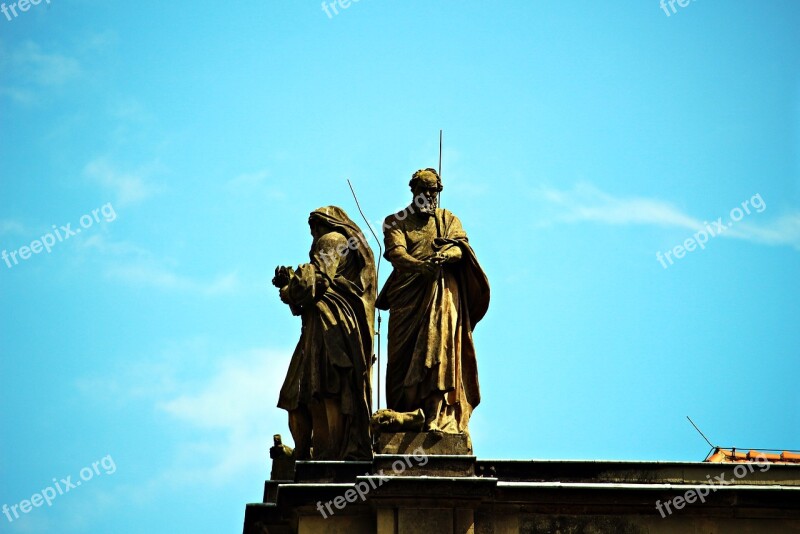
(330, 471)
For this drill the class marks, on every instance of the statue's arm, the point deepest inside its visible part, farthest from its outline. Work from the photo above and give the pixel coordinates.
(402, 260)
(396, 252)
(301, 288)
(329, 252)
(450, 251)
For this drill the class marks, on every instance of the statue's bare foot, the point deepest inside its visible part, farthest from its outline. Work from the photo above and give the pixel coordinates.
(392, 421)
(432, 427)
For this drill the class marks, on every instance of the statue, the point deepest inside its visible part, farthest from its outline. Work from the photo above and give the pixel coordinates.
(328, 387)
(436, 295)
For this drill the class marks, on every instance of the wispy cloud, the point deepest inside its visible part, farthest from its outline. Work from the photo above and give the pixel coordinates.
(141, 268)
(584, 202)
(587, 203)
(28, 69)
(223, 406)
(130, 110)
(784, 230)
(99, 41)
(20, 96)
(9, 227)
(130, 187)
(235, 409)
(249, 179)
(45, 68)
(256, 182)
(149, 275)
(102, 244)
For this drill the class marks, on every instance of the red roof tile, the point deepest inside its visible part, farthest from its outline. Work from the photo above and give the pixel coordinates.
(719, 455)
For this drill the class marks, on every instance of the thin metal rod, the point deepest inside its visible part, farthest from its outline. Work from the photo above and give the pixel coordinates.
(701, 433)
(377, 280)
(440, 154)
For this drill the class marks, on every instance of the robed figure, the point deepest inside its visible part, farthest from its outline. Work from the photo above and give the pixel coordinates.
(436, 295)
(327, 390)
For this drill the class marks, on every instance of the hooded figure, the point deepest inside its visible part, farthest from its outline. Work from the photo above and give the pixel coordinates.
(328, 387)
(436, 295)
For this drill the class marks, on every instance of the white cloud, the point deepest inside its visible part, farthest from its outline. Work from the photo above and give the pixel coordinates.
(30, 64)
(223, 410)
(255, 183)
(147, 274)
(48, 69)
(249, 179)
(11, 227)
(139, 267)
(100, 41)
(130, 187)
(586, 203)
(783, 231)
(236, 410)
(21, 96)
(102, 244)
(130, 110)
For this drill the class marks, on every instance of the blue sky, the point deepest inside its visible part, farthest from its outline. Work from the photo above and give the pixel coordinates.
(581, 138)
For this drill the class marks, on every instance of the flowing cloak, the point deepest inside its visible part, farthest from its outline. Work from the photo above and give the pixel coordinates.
(431, 320)
(333, 359)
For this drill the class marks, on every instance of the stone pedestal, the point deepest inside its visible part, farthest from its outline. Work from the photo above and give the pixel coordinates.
(433, 443)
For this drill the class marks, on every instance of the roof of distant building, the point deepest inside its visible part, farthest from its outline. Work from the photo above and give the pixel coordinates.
(720, 455)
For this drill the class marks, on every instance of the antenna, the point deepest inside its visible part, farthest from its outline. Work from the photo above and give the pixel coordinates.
(701, 433)
(377, 280)
(440, 153)
(713, 447)
(435, 218)
(440, 164)
(733, 449)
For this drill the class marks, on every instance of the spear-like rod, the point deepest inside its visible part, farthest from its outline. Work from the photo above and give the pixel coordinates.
(435, 218)
(440, 154)
(377, 280)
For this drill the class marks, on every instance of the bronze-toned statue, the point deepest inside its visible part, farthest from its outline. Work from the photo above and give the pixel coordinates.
(436, 295)
(328, 388)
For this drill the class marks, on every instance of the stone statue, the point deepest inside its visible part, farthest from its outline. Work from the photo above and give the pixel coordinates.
(328, 388)
(436, 295)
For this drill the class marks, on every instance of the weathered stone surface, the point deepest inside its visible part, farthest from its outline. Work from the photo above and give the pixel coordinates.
(328, 387)
(437, 294)
(392, 421)
(330, 471)
(282, 460)
(345, 524)
(431, 442)
(414, 521)
(419, 465)
(510, 497)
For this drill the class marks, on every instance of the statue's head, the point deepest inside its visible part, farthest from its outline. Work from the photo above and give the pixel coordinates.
(318, 227)
(425, 184)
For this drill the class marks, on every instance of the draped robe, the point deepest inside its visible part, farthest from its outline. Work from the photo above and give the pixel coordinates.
(431, 319)
(335, 296)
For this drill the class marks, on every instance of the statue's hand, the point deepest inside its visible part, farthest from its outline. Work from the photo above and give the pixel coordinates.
(284, 294)
(282, 275)
(439, 259)
(450, 254)
(427, 268)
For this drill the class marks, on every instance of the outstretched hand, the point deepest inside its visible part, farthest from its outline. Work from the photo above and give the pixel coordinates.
(282, 275)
